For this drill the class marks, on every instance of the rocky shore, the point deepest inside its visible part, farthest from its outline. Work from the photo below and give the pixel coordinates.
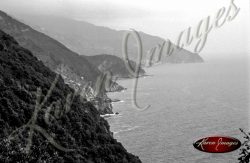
(44, 120)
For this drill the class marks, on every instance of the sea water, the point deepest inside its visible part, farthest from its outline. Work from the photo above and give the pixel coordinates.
(188, 102)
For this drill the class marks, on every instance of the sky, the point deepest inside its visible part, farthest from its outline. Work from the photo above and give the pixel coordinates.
(164, 18)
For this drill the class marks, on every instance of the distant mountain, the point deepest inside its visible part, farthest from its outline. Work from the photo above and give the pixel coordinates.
(113, 64)
(71, 66)
(76, 70)
(182, 56)
(64, 129)
(88, 39)
(53, 54)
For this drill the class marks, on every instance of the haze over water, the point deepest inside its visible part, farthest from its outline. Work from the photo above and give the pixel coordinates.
(188, 102)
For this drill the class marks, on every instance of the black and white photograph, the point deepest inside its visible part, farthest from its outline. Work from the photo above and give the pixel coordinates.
(124, 81)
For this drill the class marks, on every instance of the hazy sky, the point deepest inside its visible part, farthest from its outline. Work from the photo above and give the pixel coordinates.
(164, 18)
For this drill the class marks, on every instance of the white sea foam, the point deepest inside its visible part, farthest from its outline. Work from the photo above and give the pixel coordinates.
(126, 129)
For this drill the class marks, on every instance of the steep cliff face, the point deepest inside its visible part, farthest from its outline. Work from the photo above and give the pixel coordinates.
(43, 120)
(48, 50)
(76, 70)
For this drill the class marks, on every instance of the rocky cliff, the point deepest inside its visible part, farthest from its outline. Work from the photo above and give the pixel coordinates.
(44, 120)
(48, 50)
(76, 70)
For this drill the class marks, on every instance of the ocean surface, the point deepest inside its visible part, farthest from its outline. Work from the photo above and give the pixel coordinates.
(188, 102)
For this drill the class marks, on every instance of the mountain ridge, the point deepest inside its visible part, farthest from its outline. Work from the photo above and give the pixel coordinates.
(46, 48)
(114, 65)
(76, 70)
(89, 39)
(66, 127)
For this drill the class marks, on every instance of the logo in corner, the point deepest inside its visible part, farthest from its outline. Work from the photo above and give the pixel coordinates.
(217, 144)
